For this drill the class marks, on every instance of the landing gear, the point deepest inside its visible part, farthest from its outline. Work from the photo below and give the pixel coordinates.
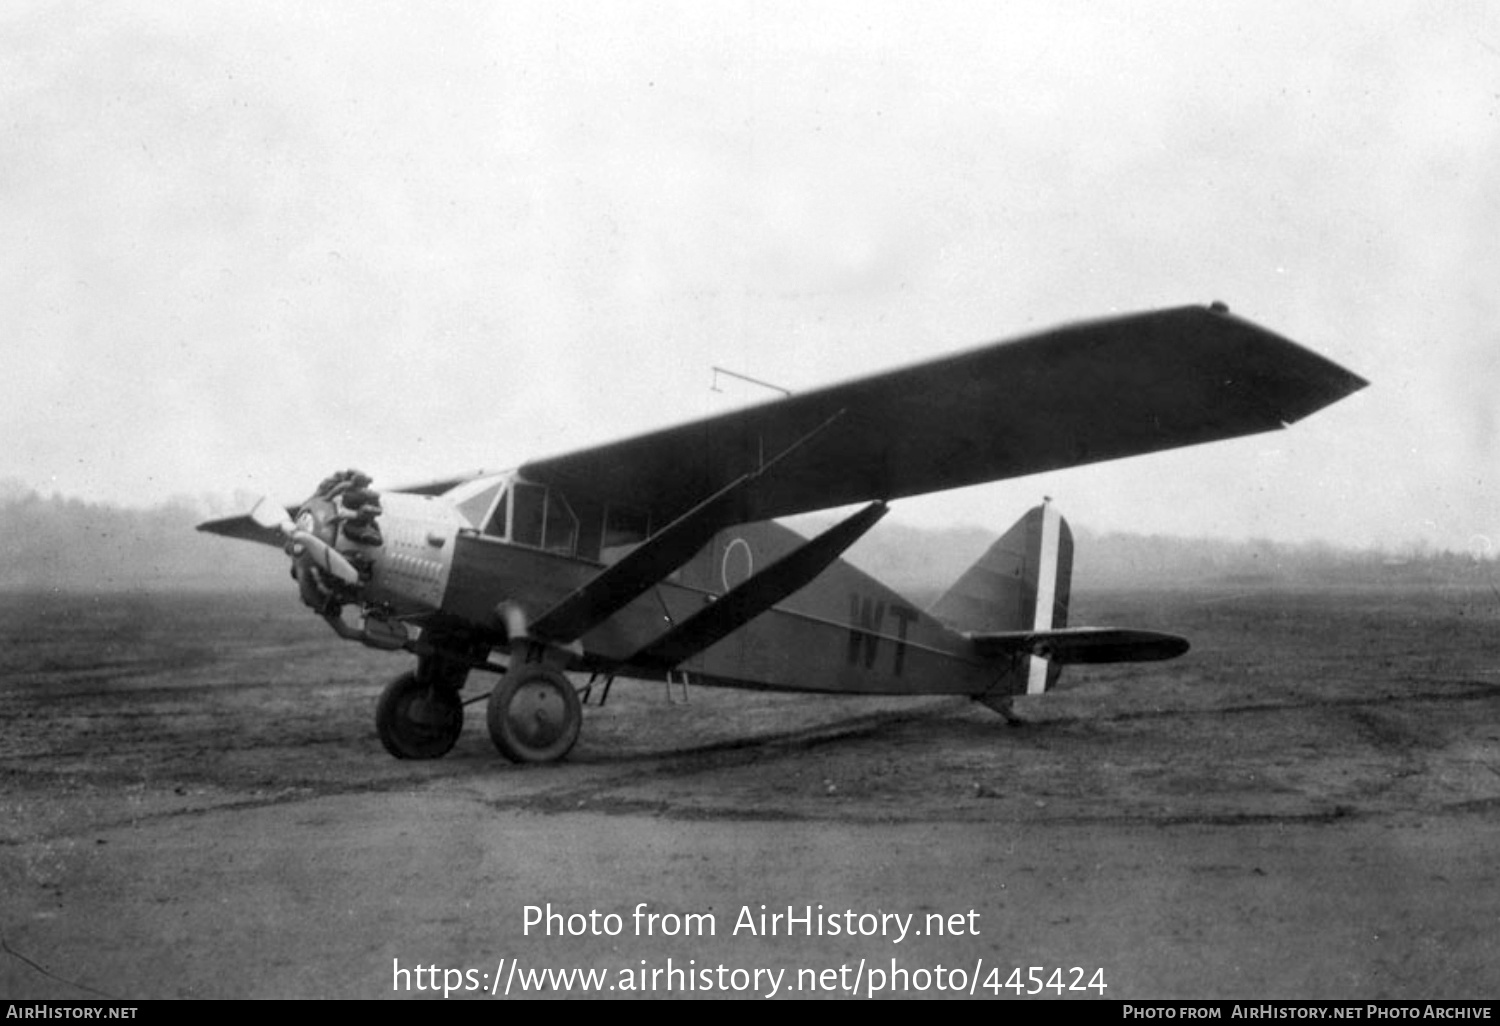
(534, 714)
(417, 719)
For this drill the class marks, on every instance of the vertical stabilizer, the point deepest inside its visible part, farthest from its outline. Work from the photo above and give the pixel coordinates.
(1021, 583)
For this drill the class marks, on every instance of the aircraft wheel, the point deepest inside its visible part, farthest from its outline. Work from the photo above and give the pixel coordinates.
(534, 714)
(417, 720)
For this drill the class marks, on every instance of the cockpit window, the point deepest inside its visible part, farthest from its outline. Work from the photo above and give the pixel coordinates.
(497, 524)
(530, 514)
(540, 518)
(561, 534)
(476, 506)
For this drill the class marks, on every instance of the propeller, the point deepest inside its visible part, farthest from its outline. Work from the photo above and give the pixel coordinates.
(304, 542)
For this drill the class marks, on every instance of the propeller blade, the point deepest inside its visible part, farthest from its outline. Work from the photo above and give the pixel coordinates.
(268, 514)
(326, 557)
(322, 555)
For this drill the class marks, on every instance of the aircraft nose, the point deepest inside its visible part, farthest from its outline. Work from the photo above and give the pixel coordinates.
(346, 505)
(329, 538)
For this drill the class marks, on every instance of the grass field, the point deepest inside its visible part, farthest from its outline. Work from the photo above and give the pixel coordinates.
(1381, 689)
(1352, 732)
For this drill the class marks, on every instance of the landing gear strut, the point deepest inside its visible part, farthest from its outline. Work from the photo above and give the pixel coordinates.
(417, 718)
(534, 714)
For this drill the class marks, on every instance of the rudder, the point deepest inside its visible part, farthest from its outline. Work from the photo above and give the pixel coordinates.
(1021, 583)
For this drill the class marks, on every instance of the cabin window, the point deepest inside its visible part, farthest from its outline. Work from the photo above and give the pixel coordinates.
(475, 507)
(624, 528)
(530, 514)
(539, 518)
(590, 525)
(561, 534)
(497, 525)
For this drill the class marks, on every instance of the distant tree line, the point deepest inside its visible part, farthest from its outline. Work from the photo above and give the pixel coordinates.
(67, 544)
(922, 562)
(57, 543)
(1122, 560)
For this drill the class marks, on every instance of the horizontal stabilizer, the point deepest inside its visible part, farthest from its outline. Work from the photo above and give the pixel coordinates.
(754, 596)
(1076, 645)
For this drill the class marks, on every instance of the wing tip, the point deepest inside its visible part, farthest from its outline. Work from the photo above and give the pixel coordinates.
(217, 525)
(1327, 381)
(241, 528)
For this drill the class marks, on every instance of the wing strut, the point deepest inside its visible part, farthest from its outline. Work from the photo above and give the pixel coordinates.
(754, 596)
(616, 586)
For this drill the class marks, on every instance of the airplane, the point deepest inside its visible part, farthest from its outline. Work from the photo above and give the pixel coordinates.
(658, 557)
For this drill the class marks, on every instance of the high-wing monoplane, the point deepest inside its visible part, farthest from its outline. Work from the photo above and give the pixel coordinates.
(659, 556)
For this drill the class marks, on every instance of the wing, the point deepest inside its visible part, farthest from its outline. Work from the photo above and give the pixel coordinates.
(437, 486)
(1079, 394)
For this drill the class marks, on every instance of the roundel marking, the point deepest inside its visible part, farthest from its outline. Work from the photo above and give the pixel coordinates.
(738, 563)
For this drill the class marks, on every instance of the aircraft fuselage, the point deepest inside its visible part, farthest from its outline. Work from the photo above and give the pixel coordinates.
(844, 632)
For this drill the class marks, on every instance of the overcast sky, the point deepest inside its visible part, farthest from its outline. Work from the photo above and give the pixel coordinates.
(246, 244)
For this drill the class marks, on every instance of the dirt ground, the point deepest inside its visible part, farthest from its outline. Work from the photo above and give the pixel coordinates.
(193, 803)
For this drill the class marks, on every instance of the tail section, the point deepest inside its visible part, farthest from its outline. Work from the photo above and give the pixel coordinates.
(1013, 605)
(1020, 584)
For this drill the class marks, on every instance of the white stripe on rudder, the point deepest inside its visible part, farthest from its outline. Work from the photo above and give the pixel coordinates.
(1046, 595)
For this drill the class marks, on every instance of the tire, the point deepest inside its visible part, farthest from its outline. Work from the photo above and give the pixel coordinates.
(417, 720)
(534, 715)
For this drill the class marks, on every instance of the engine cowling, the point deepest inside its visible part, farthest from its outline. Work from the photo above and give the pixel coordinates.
(331, 541)
(400, 547)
